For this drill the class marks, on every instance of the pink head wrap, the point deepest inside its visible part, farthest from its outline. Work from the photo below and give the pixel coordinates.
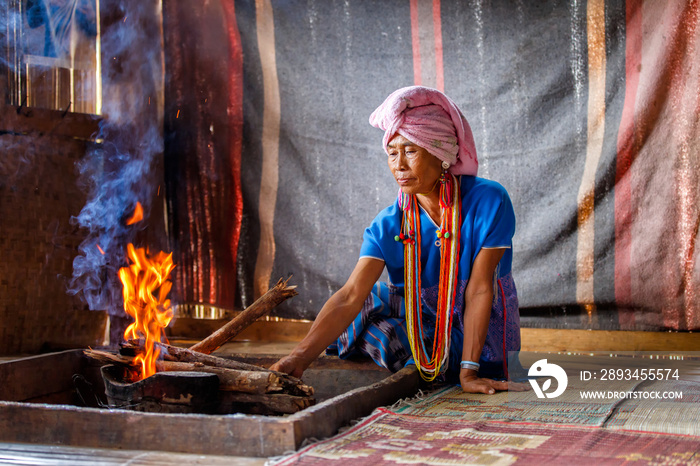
(430, 119)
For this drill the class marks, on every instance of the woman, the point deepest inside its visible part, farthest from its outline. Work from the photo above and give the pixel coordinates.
(451, 307)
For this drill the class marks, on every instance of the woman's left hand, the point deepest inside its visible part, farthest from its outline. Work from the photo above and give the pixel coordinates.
(471, 383)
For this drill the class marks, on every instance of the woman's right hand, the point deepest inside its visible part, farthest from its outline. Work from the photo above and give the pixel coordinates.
(335, 316)
(292, 365)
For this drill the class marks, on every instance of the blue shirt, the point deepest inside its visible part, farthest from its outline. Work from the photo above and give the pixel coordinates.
(488, 221)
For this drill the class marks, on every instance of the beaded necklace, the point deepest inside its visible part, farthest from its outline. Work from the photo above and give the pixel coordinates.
(431, 364)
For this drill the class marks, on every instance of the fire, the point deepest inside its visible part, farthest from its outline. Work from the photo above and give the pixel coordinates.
(137, 216)
(146, 286)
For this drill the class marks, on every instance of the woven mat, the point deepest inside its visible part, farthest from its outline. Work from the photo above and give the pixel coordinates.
(389, 438)
(675, 416)
(567, 409)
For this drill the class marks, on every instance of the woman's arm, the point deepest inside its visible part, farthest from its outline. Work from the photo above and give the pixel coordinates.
(477, 312)
(335, 316)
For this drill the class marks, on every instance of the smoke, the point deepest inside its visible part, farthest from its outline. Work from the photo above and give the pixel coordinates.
(115, 182)
(111, 51)
(122, 168)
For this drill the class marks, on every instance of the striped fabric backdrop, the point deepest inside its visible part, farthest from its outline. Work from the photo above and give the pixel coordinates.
(587, 112)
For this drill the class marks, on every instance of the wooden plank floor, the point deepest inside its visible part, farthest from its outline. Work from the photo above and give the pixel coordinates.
(25, 454)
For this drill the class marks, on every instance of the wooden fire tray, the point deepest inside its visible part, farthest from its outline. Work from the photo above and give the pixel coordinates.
(43, 401)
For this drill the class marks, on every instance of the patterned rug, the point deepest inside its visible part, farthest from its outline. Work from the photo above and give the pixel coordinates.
(448, 426)
(389, 438)
(676, 415)
(568, 409)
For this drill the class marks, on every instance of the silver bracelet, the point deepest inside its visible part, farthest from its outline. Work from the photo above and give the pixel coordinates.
(470, 365)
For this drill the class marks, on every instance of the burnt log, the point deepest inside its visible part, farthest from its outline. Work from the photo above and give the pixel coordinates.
(255, 382)
(229, 379)
(105, 357)
(289, 384)
(263, 404)
(164, 392)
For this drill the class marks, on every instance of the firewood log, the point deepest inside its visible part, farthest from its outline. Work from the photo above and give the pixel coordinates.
(255, 392)
(263, 404)
(255, 382)
(106, 357)
(174, 353)
(263, 305)
(290, 384)
(229, 379)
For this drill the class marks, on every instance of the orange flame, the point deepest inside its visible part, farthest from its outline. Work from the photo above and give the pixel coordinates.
(137, 216)
(146, 286)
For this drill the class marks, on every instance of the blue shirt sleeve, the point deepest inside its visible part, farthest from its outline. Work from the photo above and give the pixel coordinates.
(370, 242)
(500, 222)
(487, 205)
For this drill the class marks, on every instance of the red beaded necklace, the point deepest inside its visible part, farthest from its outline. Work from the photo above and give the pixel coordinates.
(431, 364)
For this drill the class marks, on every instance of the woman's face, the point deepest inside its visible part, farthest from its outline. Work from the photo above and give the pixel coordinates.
(414, 168)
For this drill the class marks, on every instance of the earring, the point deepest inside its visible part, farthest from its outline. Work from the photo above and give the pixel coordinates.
(445, 165)
(446, 187)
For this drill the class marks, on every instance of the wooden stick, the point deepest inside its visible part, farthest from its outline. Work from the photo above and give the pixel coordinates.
(263, 305)
(109, 358)
(263, 404)
(229, 379)
(174, 353)
(291, 384)
(253, 382)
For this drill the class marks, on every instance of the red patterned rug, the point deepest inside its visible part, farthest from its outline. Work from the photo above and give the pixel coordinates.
(389, 438)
